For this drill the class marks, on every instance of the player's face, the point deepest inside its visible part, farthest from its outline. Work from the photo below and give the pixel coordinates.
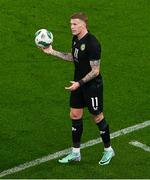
(77, 26)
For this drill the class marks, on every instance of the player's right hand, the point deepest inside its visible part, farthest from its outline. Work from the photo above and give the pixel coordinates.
(48, 50)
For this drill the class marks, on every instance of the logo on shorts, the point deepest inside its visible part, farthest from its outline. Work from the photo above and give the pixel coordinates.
(74, 129)
(102, 132)
(82, 47)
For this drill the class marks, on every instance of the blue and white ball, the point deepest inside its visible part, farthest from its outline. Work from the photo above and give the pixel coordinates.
(43, 38)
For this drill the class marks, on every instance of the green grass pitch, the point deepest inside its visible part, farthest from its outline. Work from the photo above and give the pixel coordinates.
(34, 106)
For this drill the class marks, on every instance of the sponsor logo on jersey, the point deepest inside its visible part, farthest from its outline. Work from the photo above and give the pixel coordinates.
(82, 47)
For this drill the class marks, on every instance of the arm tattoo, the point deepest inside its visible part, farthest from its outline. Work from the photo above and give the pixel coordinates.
(94, 72)
(62, 55)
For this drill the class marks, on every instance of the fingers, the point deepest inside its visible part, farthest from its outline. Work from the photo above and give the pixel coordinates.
(46, 49)
(72, 82)
(67, 88)
(73, 87)
(70, 87)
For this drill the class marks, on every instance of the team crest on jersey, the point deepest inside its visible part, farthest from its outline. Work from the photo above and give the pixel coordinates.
(82, 47)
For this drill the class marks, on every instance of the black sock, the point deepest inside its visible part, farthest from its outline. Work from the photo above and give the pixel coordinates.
(104, 132)
(77, 129)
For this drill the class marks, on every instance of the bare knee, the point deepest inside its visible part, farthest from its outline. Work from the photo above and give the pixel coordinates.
(76, 113)
(98, 117)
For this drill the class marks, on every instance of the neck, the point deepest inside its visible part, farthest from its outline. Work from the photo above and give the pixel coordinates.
(82, 34)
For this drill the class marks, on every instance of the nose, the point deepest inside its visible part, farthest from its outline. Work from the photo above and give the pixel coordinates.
(71, 26)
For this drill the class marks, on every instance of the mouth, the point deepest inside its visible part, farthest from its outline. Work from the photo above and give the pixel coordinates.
(73, 31)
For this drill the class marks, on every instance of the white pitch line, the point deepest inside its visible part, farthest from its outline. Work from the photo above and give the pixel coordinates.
(64, 152)
(140, 145)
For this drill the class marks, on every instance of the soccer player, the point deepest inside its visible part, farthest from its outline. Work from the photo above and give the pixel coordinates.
(86, 88)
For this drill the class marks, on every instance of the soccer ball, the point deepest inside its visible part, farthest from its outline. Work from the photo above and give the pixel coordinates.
(43, 38)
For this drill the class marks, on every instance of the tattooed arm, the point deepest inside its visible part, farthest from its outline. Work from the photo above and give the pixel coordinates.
(64, 56)
(95, 65)
(91, 75)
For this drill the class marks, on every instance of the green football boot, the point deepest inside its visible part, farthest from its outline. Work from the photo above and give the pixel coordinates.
(70, 157)
(107, 156)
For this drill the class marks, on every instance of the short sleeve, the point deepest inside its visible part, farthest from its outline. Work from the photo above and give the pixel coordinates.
(94, 49)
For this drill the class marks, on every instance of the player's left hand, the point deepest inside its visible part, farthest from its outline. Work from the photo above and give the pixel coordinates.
(73, 87)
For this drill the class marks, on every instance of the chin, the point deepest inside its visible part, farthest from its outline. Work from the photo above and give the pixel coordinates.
(74, 33)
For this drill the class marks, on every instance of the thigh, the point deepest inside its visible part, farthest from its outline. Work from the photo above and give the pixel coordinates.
(94, 99)
(77, 99)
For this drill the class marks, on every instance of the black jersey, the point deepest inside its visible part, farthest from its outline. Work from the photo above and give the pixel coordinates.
(83, 51)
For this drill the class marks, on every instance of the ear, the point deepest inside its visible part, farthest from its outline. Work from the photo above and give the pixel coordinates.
(83, 24)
